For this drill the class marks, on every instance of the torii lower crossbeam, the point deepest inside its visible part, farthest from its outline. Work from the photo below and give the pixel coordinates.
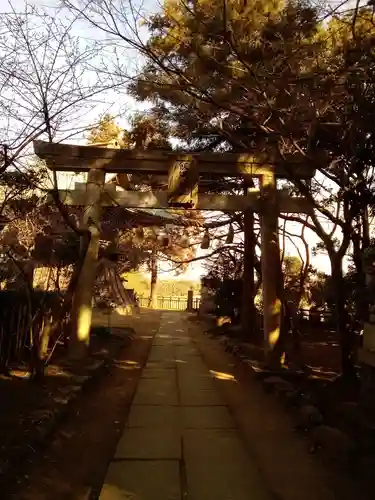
(212, 202)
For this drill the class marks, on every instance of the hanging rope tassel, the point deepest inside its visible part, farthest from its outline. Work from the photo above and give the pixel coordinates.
(230, 235)
(205, 245)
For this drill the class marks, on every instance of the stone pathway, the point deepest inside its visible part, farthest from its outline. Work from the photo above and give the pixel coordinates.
(180, 442)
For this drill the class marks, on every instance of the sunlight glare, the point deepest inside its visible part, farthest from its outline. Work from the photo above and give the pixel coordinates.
(223, 376)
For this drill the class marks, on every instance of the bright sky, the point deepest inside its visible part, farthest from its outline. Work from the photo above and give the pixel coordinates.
(120, 104)
(321, 261)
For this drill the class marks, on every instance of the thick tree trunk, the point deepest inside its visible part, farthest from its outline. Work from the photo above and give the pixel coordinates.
(343, 329)
(361, 243)
(248, 293)
(41, 344)
(365, 229)
(40, 352)
(295, 306)
(275, 333)
(152, 301)
(361, 295)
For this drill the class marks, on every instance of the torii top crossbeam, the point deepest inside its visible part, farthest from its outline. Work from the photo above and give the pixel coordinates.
(73, 158)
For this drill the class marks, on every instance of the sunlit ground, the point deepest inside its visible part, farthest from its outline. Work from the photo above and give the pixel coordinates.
(223, 376)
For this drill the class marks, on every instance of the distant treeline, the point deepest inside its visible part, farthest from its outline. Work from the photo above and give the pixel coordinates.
(166, 288)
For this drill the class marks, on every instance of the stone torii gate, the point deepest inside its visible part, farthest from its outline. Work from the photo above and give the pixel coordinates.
(184, 172)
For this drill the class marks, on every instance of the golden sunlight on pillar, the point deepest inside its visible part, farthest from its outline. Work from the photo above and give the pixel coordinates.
(271, 270)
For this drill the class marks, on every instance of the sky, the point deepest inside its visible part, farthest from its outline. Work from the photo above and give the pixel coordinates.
(118, 103)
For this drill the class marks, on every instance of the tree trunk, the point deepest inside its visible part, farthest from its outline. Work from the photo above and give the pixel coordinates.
(248, 293)
(40, 352)
(41, 344)
(294, 307)
(361, 295)
(344, 332)
(365, 229)
(152, 301)
(363, 299)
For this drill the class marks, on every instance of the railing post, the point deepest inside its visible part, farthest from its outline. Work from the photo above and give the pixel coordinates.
(190, 300)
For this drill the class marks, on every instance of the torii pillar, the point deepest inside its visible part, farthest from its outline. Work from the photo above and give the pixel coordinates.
(82, 301)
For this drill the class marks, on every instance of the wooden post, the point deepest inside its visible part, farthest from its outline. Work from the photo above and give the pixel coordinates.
(82, 304)
(271, 271)
(190, 299)
(153, 298)
(248, 285)
(183, 178)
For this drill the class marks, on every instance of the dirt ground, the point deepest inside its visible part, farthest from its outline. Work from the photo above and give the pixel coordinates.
(31, 410)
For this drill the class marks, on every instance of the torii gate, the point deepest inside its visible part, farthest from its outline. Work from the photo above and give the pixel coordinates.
(183, 171)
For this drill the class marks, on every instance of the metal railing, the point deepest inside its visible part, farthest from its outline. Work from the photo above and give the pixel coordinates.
(173, 303)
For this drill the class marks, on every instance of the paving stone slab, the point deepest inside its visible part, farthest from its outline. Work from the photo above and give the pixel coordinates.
(192, 360)
(186, 350)
(162, 347)
(162, 391)
(223, 480)
(213, 444)
(190, 396)
(182, 341)
(161, 353)
(154, 416)
(160, 342)
(162, 364)
(188, 384)
(157, 342)
(142, 480)
(196, 382)
(191, 367)
(206, 417)
(162, 358)
(159, 373)
(153, 443)
(218, 466)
